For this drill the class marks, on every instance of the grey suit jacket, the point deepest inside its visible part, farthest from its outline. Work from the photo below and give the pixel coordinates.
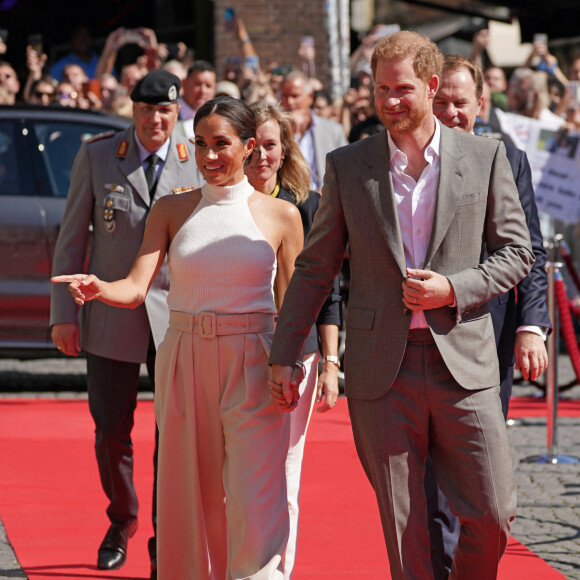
(105, 178)
(327, 136)
(477, 203)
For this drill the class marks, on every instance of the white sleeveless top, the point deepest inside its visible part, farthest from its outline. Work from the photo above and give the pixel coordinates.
(219, 261)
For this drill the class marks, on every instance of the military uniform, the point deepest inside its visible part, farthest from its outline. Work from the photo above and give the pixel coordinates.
(109, 192)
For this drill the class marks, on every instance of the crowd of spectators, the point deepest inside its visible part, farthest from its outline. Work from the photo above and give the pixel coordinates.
(83, 78)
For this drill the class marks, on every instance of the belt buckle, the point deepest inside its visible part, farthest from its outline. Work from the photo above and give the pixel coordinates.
(207, 323)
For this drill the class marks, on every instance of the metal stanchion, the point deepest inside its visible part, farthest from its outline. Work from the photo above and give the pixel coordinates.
(552, 388)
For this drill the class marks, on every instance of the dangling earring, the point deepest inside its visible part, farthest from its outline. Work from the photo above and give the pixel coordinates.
(281, 163)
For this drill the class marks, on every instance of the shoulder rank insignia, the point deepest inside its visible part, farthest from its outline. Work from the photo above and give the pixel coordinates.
(186, 189)
(100, 136)
(182, 152)
(122, 149)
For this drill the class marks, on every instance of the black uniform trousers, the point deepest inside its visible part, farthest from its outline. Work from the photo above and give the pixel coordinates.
(112, 388)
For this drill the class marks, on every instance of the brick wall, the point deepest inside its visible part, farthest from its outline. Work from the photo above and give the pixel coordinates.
(275, 27)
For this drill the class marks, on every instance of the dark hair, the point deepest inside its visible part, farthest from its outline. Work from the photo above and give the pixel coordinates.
(554, 82)
(236, 112)
(200, 66)
(324, 94)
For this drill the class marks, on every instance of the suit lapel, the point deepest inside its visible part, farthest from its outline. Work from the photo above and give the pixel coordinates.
(178, 172)
(449, 190)
(381, 195)
(132, 168)
(171, 172)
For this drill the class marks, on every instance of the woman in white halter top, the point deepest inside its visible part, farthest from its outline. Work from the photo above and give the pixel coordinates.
(222, 509)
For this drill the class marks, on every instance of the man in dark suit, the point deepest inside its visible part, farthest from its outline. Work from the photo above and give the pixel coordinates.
(421, 373)
(519, 326)
(114, 183)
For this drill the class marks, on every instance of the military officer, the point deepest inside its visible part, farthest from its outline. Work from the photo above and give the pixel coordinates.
(115, 180)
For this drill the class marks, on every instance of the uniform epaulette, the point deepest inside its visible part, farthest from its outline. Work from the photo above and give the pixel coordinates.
(182, 152)
(100, 136)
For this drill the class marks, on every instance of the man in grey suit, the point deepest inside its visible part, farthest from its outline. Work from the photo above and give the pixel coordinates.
(315, 135)
(519, 325)
(416, 204)
(114, 183)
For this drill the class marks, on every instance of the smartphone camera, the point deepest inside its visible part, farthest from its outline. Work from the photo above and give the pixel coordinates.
(229, 18)
(35, 41)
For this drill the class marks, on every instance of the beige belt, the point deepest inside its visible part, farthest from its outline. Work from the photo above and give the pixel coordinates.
(210, 325)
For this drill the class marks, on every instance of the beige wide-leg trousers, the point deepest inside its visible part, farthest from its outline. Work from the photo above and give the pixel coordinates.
(299, 420)
(222, 505)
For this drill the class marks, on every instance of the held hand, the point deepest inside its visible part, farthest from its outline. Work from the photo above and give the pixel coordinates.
(35, 62)
(115, 40)
(425, 289)
(327, 387)
(531, 355)
(481, 40)
(284, 381)
(66, 338)
(149, 38)
(83, 288)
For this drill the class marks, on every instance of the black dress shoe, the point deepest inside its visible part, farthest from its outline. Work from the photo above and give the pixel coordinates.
(152, 547)
(113, 550)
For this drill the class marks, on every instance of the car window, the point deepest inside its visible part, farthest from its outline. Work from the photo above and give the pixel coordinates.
(10, 183)
(58, 143)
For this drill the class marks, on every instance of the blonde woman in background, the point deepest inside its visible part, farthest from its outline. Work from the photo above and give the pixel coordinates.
(281, 171)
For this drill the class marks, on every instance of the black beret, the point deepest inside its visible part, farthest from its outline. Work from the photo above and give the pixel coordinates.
(159, 87)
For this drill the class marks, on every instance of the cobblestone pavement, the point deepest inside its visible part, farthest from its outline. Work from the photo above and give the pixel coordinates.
(548, 520)
(548, 517)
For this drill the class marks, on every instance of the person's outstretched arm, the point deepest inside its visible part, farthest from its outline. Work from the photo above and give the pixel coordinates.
(129, 292)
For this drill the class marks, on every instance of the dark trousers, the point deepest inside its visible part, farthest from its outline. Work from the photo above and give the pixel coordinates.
(443, 523)
(112, 387)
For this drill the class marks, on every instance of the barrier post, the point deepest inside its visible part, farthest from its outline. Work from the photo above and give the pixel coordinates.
(552, 343)
(551, 375)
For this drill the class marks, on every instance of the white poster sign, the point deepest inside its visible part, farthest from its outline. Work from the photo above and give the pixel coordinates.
(554, 156)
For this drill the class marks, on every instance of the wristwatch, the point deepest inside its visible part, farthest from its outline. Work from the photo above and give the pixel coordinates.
(333, 359)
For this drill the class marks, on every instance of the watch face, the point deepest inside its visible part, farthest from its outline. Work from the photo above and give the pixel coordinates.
(332, 359)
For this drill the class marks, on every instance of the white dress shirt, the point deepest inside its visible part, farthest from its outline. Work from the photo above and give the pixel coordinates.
(306, 145)
(416, 205)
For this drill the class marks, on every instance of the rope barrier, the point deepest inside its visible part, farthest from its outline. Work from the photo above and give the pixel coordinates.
(566, 325)
(565, 253)
(566, 309)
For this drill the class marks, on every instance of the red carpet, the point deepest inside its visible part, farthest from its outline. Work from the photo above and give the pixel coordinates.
(53, 508)
(521, 407)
